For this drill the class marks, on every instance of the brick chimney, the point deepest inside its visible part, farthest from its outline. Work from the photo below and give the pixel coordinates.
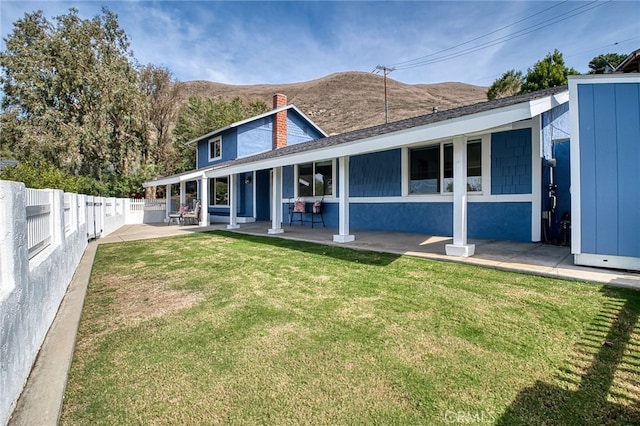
(279, 122)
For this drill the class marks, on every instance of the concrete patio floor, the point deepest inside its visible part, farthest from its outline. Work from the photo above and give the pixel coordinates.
(530, 258)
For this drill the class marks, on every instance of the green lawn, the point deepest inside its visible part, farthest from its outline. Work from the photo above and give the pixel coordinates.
(219, 327)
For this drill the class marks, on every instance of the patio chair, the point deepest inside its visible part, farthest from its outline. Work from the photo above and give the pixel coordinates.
(177, 216)
(298, 208)
(316, 210)
(192, 217)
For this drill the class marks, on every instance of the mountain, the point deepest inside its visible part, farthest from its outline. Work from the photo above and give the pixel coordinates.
(350, 100)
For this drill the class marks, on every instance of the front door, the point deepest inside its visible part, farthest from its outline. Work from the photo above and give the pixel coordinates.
(263, 195)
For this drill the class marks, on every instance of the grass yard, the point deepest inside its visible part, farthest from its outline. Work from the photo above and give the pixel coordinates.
(213, 328)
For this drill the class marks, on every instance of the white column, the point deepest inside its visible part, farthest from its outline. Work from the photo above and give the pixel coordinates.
(233, 202)
(183, 194)
(276, 202)
(167, 205)
(343, 200)
(204, 201)
(460, 247)
(253, 188)
(536, 178)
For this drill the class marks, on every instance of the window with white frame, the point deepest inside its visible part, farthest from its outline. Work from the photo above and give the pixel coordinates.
(431, 168)
(215, 148)
(219, 191)
(315, 179)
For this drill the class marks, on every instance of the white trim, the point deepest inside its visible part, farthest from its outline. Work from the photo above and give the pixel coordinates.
(486, 165)
(253, 187)
(606, 261)
(217, 139)
(574, 161)
(343, 235)
(276, 202)
(602, 78)
(536, 178)
(404, 167)
(233, 202)
(204, 201)
(447, 198)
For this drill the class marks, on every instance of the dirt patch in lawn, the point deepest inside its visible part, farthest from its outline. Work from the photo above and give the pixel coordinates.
(139, 300)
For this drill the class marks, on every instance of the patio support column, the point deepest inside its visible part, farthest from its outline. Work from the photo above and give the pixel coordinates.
(460, 247)
(167, 204)
(204, 201)
(183, 193)
(276, 202)
(233, 202)
(343, 202)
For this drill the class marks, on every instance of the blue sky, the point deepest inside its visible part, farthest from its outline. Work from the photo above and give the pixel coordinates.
(258, 42)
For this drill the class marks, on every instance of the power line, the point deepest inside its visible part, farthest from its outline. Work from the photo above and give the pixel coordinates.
(508, 37)
(479, 37)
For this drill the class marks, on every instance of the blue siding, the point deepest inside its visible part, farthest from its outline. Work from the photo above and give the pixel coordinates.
(425, 218)
(376, 175)
(245, 196)
(511, 164)
(609, 119)
(586, 118)
(255, 137)
(287, 182)
(229, 149)
(628, 129)
(499, 221)
(299, 130)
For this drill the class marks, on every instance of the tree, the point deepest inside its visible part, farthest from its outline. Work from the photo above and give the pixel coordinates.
(163, 94)
(508, 85)
(200, 116)
(548, 72)
(602, 61)
(71, 94)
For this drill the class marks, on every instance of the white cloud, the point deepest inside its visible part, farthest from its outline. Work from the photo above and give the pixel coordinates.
(280, 42)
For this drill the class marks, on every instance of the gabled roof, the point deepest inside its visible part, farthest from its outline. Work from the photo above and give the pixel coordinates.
(467, 119)
(259, 117)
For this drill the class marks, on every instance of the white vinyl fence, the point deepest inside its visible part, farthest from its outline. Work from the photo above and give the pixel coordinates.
(43, 235)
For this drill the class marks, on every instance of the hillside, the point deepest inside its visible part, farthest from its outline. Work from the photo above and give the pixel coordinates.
(350, 100)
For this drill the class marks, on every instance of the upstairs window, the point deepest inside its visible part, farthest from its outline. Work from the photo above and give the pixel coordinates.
(315, 179)
(215, 148)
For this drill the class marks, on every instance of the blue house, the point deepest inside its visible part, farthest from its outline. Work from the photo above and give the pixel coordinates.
(284, 125)
(605, 168)
(469, 172)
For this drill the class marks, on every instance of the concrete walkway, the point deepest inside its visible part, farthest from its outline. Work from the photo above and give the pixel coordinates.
(41, 400)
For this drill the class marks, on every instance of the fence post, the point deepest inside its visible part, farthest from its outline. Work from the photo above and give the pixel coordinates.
(56, 218)
(14, 255)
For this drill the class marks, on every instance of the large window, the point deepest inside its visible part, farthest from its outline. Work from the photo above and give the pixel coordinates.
(219, 191)
(431, 168)
(425, 170)
(474, 166)
(215, 148)
(315, 179)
